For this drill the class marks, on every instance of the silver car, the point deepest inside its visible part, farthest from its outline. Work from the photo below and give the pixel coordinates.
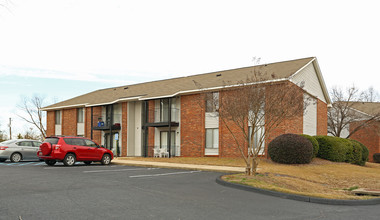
(17, 150)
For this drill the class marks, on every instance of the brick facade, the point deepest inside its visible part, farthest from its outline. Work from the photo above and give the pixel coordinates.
(124, 123)
(192, 126)
(50, 123)
(369, 136)
(69, 122)
(321, 118)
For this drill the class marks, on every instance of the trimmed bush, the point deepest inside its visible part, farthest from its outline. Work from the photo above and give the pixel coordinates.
(365, 152)
(349, 150)
(376, 157)
(356, 153)
(332, 148)
(290, 149)
(314, 142)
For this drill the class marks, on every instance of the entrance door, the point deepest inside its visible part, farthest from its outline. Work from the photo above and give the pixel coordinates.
(164, 141)
(115, 143)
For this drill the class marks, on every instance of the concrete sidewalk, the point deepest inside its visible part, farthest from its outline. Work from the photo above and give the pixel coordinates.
(223, 169)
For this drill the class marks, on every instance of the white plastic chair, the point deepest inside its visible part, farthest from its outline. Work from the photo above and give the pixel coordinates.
(156, 152)
(164, 152)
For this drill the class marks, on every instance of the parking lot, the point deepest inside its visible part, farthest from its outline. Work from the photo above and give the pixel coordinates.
(33, 190)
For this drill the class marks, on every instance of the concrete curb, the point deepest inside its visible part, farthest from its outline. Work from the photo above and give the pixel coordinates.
(298, 197)
(220, 169)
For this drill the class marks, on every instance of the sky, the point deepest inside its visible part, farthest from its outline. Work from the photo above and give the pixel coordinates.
(60, 49)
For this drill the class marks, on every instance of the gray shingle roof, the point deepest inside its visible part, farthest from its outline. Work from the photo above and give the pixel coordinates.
(174, 86)
(371, 108)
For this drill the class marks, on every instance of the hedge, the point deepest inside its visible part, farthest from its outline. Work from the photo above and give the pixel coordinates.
(290, 149)
(332, 148)
(376, 157)
(365, 152)
(314, 142)
(342, 150)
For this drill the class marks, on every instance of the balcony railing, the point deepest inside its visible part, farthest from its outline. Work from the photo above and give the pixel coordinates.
(161, 116)
(103, 122)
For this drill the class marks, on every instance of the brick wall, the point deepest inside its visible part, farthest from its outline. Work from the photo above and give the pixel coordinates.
(192, 126)
(151, 130)
(69, 122)
(124, 121)
(96, 135)
(289, 125)
(227, 144)
(321, 118)
(369, 136)
(50, 123)
(87, 123)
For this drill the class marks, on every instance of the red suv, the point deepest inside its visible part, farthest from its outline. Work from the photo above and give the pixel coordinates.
(72, 149)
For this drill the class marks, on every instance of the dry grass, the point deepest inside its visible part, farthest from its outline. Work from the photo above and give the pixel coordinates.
(320, 178)
(233, 162)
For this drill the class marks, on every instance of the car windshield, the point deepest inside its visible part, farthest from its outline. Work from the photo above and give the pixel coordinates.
(51, 140)
(8, 142)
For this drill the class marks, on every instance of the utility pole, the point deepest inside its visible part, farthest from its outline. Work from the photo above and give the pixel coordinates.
(10, 128)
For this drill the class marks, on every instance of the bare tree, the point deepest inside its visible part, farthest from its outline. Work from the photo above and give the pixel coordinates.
(343, 113)
(370, 95)
(33, 114)
(251, 110)
(3, 137)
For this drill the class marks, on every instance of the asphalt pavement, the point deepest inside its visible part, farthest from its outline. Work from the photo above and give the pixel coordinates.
(38, 191)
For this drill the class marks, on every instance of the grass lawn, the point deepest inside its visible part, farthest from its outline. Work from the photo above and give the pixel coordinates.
(320, 178)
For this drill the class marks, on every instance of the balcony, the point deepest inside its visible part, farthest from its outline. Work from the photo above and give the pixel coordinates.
(102, 122)
(160, 118)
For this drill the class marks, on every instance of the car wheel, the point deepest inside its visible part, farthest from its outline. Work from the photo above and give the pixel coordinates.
(106, 159)
(3, 160)
(50, 162)
(16, 157)
(87, 162)
(69, 160)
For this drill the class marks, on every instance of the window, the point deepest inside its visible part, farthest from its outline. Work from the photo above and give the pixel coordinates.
(25, 144)
(58, 117)
(36, 144)
(256, 137)
(90, 143)
(51, 140)
(80, 118)
(164, 110)
(212, 102)
(74, 141)
(212, 138)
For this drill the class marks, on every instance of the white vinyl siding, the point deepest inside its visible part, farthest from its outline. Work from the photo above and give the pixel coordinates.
(308, 77)
(134, 133)
(80, 122)
(212, 120)
(310, 116)
(58, 122)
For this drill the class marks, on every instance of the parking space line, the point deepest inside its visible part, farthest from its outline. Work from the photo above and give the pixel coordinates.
(165, 174)
(23, 164)
(40, 163)
(75, 166)
(118, 170)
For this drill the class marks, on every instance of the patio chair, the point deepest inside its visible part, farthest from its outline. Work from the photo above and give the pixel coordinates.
(164, 152)
(156, 152)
